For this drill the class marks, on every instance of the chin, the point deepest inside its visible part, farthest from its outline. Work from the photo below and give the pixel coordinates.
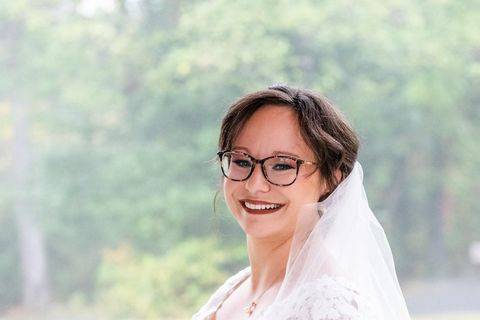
(261, 234)
(261, 230)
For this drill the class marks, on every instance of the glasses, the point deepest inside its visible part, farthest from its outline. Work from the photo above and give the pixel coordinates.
(278, 170)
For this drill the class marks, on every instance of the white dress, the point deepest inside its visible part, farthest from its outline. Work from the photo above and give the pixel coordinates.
(326, 298)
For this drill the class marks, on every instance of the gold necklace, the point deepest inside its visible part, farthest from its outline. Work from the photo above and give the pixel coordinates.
(250, 308)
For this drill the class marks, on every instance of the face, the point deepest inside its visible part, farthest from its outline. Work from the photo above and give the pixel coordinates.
(272, 130)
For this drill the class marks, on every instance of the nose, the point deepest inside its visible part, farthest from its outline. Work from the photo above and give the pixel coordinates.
(257, 182)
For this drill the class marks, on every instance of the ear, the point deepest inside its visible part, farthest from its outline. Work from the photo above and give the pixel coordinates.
(338, 176)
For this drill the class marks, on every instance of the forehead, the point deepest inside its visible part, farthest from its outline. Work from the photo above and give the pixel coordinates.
(270, 129)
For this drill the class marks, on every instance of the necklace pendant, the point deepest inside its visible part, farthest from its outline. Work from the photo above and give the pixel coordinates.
(249, 309)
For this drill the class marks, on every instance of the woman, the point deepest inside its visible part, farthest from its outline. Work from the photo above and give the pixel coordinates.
(292, 182)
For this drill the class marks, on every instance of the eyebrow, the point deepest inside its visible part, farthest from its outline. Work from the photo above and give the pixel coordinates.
(274, 152)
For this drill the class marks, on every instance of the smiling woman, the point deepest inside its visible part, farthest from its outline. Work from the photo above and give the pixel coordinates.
(292, 182)
(271, 128)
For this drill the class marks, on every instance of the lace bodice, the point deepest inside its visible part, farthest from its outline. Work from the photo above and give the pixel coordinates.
(326, 298)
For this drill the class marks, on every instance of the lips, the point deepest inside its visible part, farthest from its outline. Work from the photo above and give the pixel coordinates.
(260, 207)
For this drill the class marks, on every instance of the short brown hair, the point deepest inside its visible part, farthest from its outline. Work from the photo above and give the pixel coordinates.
(322, 126)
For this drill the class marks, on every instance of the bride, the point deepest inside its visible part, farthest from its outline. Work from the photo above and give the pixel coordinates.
(293, 183)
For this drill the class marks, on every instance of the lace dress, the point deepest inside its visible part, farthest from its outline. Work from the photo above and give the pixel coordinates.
(326, 298)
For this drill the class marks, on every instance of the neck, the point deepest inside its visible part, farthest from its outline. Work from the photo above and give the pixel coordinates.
(268, 261)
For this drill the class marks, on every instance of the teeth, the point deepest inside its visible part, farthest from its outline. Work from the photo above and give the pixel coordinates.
(261, 206)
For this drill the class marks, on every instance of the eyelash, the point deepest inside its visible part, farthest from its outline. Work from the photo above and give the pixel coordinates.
(288, 167)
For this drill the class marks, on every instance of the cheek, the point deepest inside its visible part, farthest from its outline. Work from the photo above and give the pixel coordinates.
(226, 189)
(307, 191)
(229, 188)
(317, 186)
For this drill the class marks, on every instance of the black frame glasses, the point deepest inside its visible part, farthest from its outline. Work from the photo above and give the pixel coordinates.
(299, 162)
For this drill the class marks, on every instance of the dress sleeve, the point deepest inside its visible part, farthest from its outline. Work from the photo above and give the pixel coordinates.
(219, 296)
(326, 298)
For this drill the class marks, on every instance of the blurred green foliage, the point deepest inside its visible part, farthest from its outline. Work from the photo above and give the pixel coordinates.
(147, 286)
(125, 111)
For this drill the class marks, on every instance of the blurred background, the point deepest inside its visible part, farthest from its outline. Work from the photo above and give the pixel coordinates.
(109, 118)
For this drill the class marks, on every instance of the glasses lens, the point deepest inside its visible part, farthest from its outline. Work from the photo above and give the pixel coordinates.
(236, 166)
(281, 170)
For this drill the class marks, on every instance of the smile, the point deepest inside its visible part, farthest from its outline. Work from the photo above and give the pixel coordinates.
(260, 207)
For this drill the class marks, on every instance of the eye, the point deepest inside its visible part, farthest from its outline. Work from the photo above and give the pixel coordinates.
(242, 163)
(282, 164)
(282, 167)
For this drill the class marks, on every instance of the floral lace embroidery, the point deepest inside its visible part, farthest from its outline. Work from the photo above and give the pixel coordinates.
(326, 298)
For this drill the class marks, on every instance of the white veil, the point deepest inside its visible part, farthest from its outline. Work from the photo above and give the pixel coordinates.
(348, 242)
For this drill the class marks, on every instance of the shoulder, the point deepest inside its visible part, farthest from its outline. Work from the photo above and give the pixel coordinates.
(328, 297)
(217, 298)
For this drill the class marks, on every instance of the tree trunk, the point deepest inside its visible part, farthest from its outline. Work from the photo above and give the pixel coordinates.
(438, 254)
(31, 241)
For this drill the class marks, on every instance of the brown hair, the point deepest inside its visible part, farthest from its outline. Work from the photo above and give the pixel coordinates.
(323, 127)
